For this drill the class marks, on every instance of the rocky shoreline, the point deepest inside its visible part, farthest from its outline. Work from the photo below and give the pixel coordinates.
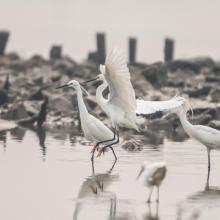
(26, 84)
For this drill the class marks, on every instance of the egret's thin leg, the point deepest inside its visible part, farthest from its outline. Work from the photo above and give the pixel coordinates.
(101, 142)
(158, 192)
(112, 166)
(209, 166)
(151, 190)
(209, 163)
(110, 145)
(113, 152)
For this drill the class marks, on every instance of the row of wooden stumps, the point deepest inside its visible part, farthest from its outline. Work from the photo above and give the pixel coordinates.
(99, 55)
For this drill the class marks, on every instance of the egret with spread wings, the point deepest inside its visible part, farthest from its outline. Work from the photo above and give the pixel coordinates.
(121, 105)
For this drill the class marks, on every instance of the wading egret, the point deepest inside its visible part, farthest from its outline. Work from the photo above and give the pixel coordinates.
(153, 175)
(209, 137)
(94, 129)
(121, 105)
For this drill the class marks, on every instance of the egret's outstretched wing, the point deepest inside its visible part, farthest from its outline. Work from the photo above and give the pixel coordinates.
(150, 107)
(118, 77)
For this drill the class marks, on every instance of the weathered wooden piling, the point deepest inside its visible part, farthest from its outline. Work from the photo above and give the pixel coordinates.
(101, 48)
(168, 50)
(56, 52)
(132, 50)
(4, 35)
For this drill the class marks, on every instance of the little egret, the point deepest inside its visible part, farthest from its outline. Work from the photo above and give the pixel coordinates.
(153, 175)
(209, 137)
(121, 105)
(94, 129)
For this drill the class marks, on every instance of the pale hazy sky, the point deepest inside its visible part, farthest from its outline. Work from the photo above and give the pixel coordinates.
(36, 24)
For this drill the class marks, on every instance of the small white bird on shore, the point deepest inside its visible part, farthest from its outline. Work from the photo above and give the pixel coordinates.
(153, 175)
(94, 129)
(207, 136)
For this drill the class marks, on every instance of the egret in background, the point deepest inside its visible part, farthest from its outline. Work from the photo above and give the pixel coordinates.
(153, 175)
(94, 129)
(121, 105)
(209, 137)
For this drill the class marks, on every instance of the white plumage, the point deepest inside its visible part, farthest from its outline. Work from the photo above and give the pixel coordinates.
(94, 129)
(152, 176)
(209, 137)
(150, 107)
(121, 105)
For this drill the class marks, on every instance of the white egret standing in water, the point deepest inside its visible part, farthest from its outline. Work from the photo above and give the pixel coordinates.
(207, 136)
(121, 105)
(153, 175)
(94, 129)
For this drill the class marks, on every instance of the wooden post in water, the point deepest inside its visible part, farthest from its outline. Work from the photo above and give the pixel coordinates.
(168, 50)
(132, 50)
(56, 52)
(4, 35)
(101, 49)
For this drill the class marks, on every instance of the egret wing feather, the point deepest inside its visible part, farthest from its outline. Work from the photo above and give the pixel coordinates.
(118, 77)
(150, 107)
(98, 130)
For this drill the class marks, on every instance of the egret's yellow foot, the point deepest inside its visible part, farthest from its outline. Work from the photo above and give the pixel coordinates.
(101, 151)
(93, 149)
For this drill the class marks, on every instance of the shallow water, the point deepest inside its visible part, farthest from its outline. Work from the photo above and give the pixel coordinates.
(51, 178)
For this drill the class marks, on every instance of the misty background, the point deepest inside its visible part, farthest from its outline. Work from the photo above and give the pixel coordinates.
(36, 25)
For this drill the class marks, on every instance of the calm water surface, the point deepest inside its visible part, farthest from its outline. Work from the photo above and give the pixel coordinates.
(51, 179)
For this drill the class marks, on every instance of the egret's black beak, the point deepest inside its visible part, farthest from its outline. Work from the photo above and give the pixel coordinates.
(63, 86)
(91, 80)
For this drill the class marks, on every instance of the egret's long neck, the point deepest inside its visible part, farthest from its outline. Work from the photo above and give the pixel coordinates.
(188, 127)
(99, 95)
(82, 107)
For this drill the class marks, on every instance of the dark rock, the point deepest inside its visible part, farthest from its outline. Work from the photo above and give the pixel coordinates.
(17, 112)
(212, 79)
(36, 61)
(202, 62)
(198, 92)
(3, 97)
(215, 95)
(215, 124)
(60, 104)
(183, 65)
(7, 84)
(202, 119)
(194, 65)
(91, 101)
(38, 95)
(132, 146)
(156, 74)
(13, 56)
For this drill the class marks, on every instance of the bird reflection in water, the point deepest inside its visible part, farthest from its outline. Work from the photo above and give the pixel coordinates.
(94, 201)
(201, 205)
(152, 215)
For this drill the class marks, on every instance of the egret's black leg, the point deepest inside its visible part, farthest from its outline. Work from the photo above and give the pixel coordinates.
(101, 142)
(209, 166)
(110, 145)
(112, 166)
